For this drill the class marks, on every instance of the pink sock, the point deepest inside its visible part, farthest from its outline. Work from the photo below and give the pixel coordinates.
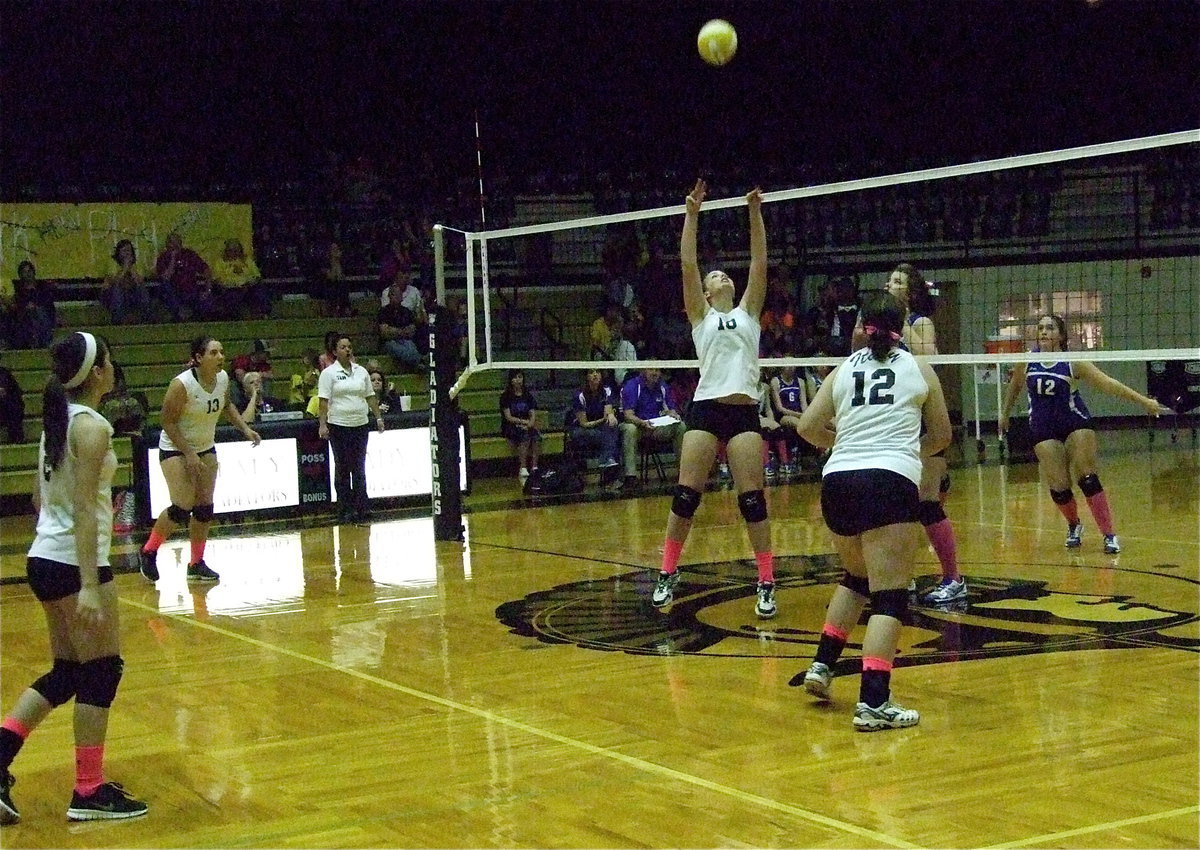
(1070, 511)
(784, 455)
(1099, 507)
(941, 535)
(154, 542)
(766, 566)
(197, 551)
(874, 662)
(672, 549)
(16, 727)
(89, 769)
(834, 632)
(766, 453)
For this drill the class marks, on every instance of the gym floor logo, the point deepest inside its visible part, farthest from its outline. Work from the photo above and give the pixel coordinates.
(713, 615)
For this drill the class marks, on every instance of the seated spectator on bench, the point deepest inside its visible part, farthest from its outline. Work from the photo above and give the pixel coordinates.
(304, 382)
(389, 399)
(398, 331)
(258, 359)
(242, 288)
(124, 410)
(518, 423)
(125, 295)
(644, 397)
(594, 429)
(186, 280)
(29, 313)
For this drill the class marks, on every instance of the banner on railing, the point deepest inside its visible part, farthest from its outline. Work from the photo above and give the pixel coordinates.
(70, 241)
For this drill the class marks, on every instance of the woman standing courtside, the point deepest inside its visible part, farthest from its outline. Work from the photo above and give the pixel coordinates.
(880, 397)
(725, 405)
(1061, 428)
(69, 573)
(345, 394)
(187, 454)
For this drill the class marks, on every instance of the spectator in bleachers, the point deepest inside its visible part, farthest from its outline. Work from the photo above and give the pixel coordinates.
(250, 397)
(304, 381)
(395, 263)
(29, 314)
(125, 410)
(257, 359)
(243, 290)
(125, 295)
(518, 423)
(330, 283)
(385, 390)
(12, 407)
(834, 316)
(644, 398)
(601, 332)
(779, 316)
(774, 445)
(790, 399)
(398, 331)
(622, 351)
(186, 281)
(594, 430)
(329, 355)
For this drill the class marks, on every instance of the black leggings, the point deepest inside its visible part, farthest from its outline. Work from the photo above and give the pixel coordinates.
(349, 445)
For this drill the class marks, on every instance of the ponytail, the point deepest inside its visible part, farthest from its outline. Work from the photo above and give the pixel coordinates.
(72, 360)
(883, 317)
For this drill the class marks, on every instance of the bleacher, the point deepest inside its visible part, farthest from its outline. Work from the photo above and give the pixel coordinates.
(152, 354)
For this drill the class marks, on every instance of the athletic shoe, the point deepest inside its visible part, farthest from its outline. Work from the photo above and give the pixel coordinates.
(818, 679)
(108, 802)
(1112, 546)
(770, 472)
(148, 564)
(887, 716)
(948, 591)
(8, 812)
(523, 475)
(912, 585)
(765, 606)
(723, 472)
(199, 571)
(788, 470)
(1075, 535)
(664, 589)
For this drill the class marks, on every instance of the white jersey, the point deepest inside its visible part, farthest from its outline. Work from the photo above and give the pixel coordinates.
(198, 422)
(55, 540)
(347, 391)
(878, 414)
(727, 347)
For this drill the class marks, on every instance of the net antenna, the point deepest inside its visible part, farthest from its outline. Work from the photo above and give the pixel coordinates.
(483, 237)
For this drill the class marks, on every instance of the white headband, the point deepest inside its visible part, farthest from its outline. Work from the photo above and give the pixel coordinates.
(89, 360)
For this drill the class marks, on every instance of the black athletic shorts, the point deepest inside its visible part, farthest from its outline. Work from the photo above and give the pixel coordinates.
(859, 500)
(725, 421)
(167, 454)
(54, 580)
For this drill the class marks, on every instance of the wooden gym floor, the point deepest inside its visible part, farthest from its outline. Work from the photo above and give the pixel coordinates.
(360, 686)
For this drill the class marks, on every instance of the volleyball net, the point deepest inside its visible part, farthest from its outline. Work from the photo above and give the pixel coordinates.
(1104, 236)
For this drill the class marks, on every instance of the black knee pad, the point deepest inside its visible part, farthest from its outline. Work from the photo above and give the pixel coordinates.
(856, 584)
(930, 513)
(58, 686)
(1061, 497)
(890, 603)
(686, 502)
(177, 514)
(753, 505)
(1090, 485)
(944, 483)
(203, 513)
(98, 680)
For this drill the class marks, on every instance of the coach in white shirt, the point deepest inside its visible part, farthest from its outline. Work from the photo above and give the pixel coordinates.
(346, 397)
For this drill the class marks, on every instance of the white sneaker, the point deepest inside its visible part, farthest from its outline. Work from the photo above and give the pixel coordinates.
(887, 716)
(948, 591)
(1112, 546)
(523, 475)
(664, 589)
(818, 679)
(1075, 535)
(765, 606)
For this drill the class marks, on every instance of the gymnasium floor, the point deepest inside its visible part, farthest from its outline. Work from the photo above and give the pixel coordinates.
(362, 686)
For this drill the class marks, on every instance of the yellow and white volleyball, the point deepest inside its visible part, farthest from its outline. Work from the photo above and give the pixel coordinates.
(717, 42)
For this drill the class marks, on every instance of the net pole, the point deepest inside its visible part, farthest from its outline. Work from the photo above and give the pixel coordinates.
(472, 355)
(439, 264)
(487, 301)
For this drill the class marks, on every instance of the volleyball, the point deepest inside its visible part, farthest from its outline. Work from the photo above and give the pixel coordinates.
(717, 42)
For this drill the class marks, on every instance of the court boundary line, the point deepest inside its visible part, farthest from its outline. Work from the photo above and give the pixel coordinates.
(1085, 830)
(638, 764)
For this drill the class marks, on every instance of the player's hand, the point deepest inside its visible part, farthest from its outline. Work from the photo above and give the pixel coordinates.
(696, 197)
(1002, 424)
(754, 200)
(1154, 407)
(192, 463)
(253, 437)
(87, 606)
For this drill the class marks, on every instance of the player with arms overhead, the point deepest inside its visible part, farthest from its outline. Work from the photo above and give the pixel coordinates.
(725, 405)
